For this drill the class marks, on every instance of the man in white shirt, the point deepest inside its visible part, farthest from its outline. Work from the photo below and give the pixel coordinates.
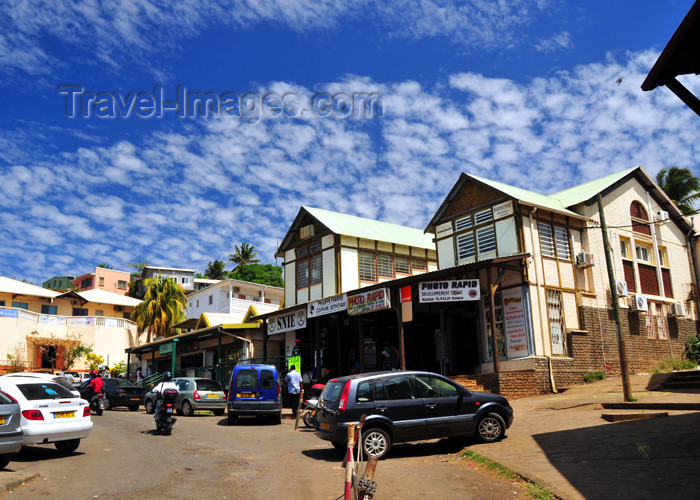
(167, 383)
(294, 385)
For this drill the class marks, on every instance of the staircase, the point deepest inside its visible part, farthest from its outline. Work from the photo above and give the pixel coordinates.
(149, 382)
(682, 380)
(468, 382)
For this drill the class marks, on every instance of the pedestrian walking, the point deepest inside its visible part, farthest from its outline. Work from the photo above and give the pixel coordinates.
(294, 385)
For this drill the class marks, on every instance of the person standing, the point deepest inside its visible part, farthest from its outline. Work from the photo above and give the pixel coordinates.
(139, 377)
(294, 385)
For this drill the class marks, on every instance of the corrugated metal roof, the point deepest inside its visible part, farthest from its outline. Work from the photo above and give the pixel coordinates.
(359, 227)
(584, 192)
(107, 297)
(528, 197)
(8, 285)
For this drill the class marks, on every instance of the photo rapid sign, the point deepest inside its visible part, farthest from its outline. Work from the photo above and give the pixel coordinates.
(449, 291)
(368, 302)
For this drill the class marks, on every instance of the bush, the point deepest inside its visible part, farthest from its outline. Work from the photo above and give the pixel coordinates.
(593, 376)
(669, 364)
(692, 349)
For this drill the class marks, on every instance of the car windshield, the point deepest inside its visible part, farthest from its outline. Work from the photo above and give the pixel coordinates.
(205, 384)
(5, 399)
(247, 379)
(330, 397)
(49, 390)
(120, 382)
(64, 383)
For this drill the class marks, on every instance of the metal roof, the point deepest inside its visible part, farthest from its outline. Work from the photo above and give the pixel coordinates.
(8, 285)
(104, 297)
(584, 192)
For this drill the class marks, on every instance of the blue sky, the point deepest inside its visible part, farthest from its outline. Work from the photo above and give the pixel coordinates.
(525, 92)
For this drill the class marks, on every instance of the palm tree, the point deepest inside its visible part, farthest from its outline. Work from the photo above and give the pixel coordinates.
(244, 255)
(215, 270)
(681, 186)
(163, 306)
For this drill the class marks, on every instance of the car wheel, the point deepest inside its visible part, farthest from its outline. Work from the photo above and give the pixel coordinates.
(376, 442)
(134, 408)
(231, 419)
(218, 413)
(490, 428)
(187, 410)
(66, 447)
(149, 406)
(5, 459)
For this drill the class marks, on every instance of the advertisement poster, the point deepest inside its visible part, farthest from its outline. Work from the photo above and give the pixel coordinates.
(368, 302)
(329, 305)
(286, 322)
(449, 291)
(515, 323)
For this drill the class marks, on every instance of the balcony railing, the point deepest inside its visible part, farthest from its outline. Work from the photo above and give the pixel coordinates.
(52, 319)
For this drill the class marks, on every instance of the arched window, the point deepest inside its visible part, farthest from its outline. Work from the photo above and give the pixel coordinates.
(638, 215)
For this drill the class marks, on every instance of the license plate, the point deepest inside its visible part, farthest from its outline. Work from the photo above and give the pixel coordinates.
(244, 395)
(325, 426)
(64, 414)
(168, 410)
(135, 399)
(213, 396)
(2, 420)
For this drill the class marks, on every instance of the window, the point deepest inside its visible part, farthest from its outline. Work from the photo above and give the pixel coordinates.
(211, 299)
(185, 281)
(433, 387)
(385, 266)
(364, 392)
(122, 284)
(643, 253)
(87, 282)
(486, 240)
(47, 309)
(303, 274)
(624, 248)
(368, 271)
(419, 264)
(197, 302)
(465, 246)
(267, 379)
(174, 278)
(483, 216)
(464, 223)
(555, 314)
(80, 311)
(640, 219)
(2, 303)
(99, 312)
(663, 261)
(656, 321)
(247, 379)
(498, 313)
(182, 385)
(102, 281)
(394, 388)
(402, 265)
(554, 241)
(316, 269)
(20, 305)
(309, 266)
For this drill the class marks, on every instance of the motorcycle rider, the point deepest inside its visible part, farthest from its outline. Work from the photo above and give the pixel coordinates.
(167, 383)
(95, 386)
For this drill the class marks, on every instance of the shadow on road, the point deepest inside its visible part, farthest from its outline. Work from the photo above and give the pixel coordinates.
(43, 452)
(642, 458)
(248, 422)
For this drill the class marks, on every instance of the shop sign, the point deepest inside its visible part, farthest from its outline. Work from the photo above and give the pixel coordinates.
(280, 323)
(375, 300)
(329, 305)
(502, 210)
(9, 313)
(449, 291)
(515, 322)
(166, 348)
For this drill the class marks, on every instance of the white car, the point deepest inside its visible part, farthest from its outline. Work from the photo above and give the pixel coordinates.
(47, 377)
(50, 412)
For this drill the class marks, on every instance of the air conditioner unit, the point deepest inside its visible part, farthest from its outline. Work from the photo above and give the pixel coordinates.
(585, 259)
(74, 302)
(621, 287)
(639, 303)
(306, 232)
(662, 216)
(677, 309)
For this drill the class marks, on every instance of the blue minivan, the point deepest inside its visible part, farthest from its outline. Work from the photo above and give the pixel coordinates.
(254, 390)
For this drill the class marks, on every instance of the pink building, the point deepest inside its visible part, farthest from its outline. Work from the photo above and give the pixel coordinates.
(103, 279)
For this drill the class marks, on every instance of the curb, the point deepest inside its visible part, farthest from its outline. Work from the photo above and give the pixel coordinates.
(651, 406)
(15, 479)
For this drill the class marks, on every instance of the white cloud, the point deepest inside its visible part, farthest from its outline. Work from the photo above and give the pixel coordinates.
(557, 43)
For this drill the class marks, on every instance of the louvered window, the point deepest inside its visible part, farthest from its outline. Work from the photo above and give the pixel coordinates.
(483, 216)
(385, 266)
(486, 240)
(465, 246)
(546, 239)
(367, 266)
(402, 265)
(464, 223)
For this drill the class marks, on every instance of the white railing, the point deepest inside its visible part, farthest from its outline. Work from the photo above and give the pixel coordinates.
(52, 319)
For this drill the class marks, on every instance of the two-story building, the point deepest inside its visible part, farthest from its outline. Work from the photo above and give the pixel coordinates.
(37, 322)
(110, 280)
(183, 277)
(59, 283)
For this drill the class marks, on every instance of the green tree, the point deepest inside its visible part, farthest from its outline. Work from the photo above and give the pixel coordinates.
(162, 307)
(138, 268)
(215, 270)
(244, 255)
(681, 186)
(265, 274)
(105, 266)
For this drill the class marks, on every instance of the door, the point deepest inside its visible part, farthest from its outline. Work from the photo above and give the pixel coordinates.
(395, 398)
(447, 407)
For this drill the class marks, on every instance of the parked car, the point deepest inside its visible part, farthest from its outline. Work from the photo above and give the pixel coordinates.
(195, 393)
(407, 406)
(254, 390)
(11, 435)
(118, 392)
(49, 377)
(50, 412)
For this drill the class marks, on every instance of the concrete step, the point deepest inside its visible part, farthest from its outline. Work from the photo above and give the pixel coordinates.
(652, 406)
(683, 380)
(623, 417)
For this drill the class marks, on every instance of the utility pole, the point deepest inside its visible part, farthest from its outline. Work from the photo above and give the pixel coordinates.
(626, 389)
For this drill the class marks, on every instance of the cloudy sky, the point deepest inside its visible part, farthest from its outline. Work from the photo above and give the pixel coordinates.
(542, 94)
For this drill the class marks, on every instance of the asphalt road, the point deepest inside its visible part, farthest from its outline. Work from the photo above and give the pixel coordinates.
(204, 457)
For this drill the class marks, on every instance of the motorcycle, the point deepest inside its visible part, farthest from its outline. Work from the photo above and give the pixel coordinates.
(164, 416)
(98, 403)
(310, 405)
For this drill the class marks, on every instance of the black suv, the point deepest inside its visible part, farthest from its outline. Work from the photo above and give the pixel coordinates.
(408, 406)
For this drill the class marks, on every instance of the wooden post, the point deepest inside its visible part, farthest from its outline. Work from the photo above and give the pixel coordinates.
(494, 330)
(301, 400)
(349, 462)
(368, 476)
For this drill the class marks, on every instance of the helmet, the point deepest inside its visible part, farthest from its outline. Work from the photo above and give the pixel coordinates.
(167, 376)
(94, 373)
